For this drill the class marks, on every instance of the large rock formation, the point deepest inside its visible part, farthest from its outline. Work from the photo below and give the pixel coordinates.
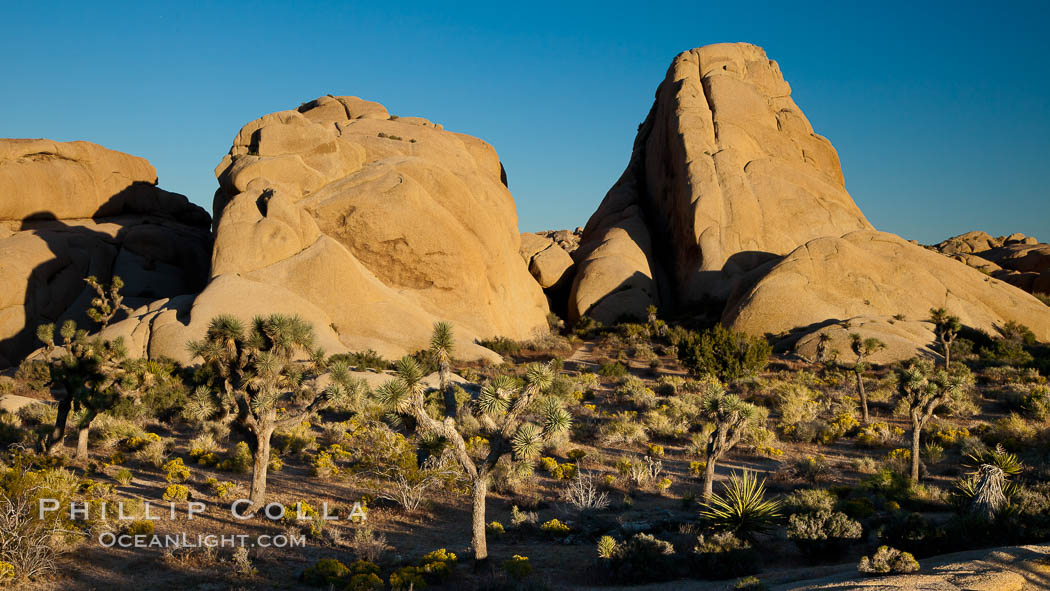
(371, 226)
(867, 274)
(726, 173)
(1017, 259)
(733, 209)
(69, 210)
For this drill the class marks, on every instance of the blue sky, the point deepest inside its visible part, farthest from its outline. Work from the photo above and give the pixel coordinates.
(940, 114)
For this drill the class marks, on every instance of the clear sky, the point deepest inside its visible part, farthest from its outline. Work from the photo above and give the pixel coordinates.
(940, 113)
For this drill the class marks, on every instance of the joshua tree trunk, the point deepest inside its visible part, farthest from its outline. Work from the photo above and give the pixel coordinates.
(709, 477)
(916, 432)
(262, 464)
(863, 396)
(82, 441)
(444, 379)
(480, 492)
(58, 433)
(947, 353)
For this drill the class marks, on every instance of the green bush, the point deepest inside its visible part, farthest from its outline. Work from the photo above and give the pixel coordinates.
(642, 559)
(612, 369)
(824, 534)
(502, 345)
(324, 572)
(888, 560)
(517, 567)
(723, 353)
(809, 500)
(723, 556)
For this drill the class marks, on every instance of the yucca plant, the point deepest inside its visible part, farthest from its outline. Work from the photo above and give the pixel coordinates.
(742, 506)
(986, 489)
(1009, 463)
(504, 408)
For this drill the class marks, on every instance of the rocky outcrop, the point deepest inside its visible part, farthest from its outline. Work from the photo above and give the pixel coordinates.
(726, 173)
(1017, 259)
(550, 264)
(874, 274)
(370, 226)
(75, 209)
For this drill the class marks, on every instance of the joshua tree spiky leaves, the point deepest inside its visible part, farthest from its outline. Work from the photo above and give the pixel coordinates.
(863, 348)
(946, 327)
(504, 408)
(731, 417)
(923, 389)
(108, 302)
(258, 374)
(441, 347)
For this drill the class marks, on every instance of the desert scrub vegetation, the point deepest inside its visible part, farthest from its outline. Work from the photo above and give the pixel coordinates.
(723, 353)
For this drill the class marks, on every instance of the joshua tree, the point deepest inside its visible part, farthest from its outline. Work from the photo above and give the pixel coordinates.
(731, 417)
(441, 348)
(503, 407)
(259, 374)
(90, 371)
(108, 302)
(946, 327)
(863, 348)
(923, 389)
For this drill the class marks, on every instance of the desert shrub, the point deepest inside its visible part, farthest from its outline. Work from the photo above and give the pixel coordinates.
(29, 546)
(35, 373)
(606, 546)
(723, 353)
(642, 559)
(140, 527)
(406, 578)
(879, 435)
(751, 583)
(495, 528)
(893, 485)
(824, 534)
(583, 494)
(520, 518)
(368, 545)
(1035, 403)
(1013, 432)
(742, 507)
(176, 493)
(517, 567)
(612, 369)
(1006, 352)
(123, 477)
(865, 465)
(502, 345)
(437, 566)
(809, 500)
(325, 572)
(898, 460)
(555, 528)
(723, 556)
(623, 428)
(887, 560)
(799, 411)
(176, 471)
